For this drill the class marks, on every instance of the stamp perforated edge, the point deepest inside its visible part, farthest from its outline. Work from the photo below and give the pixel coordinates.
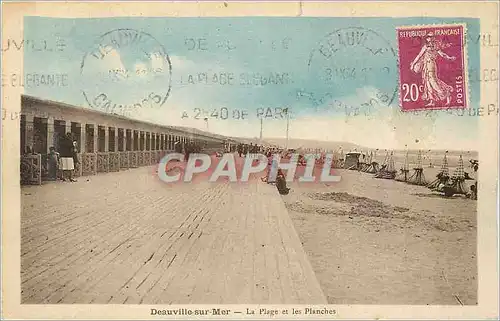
(465, 63)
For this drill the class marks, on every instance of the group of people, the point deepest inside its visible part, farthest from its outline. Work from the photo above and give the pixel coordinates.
(187, 148)
(272, 164)
(61, 163)
(280, 181)
(474, 164)
(244, 149)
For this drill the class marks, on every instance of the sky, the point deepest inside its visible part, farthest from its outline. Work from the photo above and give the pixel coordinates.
(231, 71)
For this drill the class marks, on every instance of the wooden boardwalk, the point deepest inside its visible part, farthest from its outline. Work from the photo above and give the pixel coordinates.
(126, 237)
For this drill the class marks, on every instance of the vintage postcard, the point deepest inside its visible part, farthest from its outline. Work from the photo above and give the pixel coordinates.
(223, 160)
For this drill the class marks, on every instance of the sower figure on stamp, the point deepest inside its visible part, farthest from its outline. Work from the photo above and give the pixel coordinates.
(67, 161)
(434, 89)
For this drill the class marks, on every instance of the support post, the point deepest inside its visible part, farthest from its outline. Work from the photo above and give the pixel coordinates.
(50, 133)
(29, 131)
(106, 139)
(95, 129)
(115, 149)
(67, 127)
(124, 140)
(132, 140)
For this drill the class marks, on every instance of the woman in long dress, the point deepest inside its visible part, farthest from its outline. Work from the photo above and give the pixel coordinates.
(67, 150)
(434, 89)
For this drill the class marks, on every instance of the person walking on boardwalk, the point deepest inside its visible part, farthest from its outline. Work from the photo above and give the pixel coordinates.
(273, 168)
(187, 151)
(74, 150)
(178, 147)
(240, 149)
(67, 152)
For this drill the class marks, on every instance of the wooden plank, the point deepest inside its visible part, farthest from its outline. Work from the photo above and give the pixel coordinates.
(138, 267)
(304, 280)
(84, 273)
(125, 237)
(181, 287)
(260, 272)
(186, 240)
(220, 274)
(272, 246)
(245, 266)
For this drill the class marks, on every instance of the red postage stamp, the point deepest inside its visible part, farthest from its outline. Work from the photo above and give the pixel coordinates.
(432, 67)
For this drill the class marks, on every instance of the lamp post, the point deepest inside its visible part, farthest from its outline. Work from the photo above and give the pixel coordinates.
(206, 123)
(261, 122)
(287, 126)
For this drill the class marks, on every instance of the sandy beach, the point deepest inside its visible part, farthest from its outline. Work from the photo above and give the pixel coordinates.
(377, 241)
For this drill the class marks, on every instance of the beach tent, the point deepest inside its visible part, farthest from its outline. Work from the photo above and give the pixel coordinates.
(373, 166)
(338, 160)
(384, 163)
(335, 159)
(388, 170)
(456, 184)
(404, 172)
(418, 178)
(442, 177)
(362, 161)
(339, 163)
(366, 164)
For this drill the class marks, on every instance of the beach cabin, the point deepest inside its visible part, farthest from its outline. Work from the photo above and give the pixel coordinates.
(352, 160)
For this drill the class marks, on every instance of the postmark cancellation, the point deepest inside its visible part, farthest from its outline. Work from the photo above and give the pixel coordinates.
(126, 60)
